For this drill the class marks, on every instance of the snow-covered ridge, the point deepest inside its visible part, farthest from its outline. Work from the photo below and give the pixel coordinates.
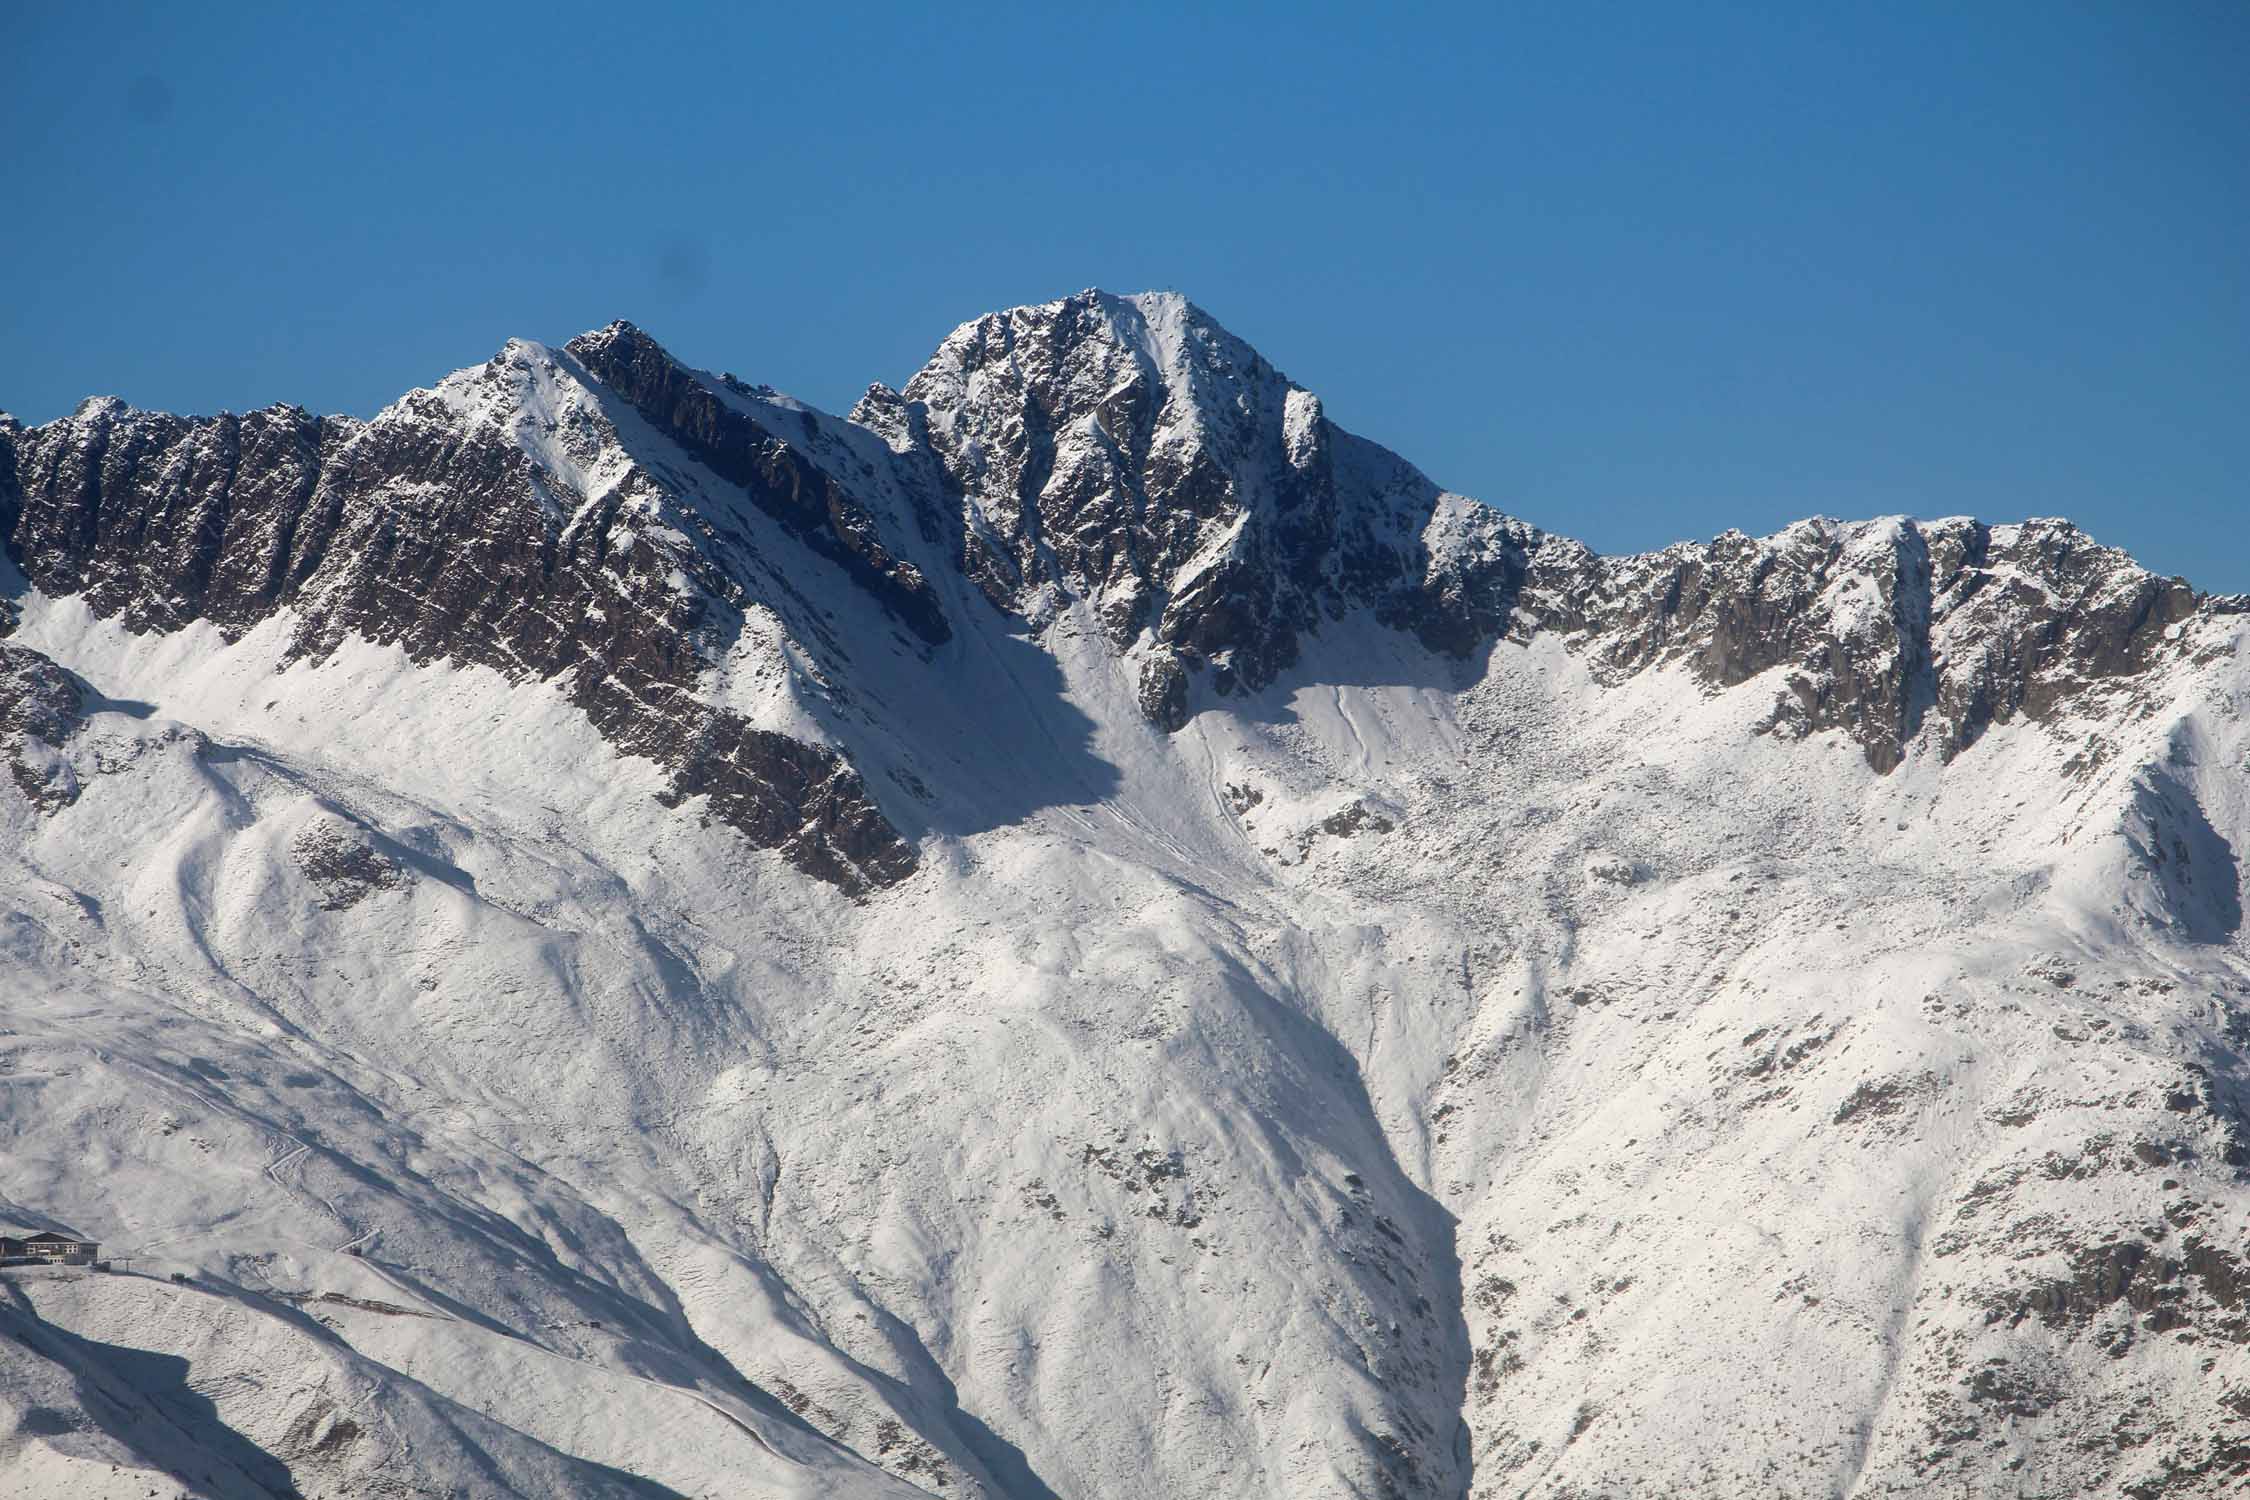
(518, 516)
(1126, 452)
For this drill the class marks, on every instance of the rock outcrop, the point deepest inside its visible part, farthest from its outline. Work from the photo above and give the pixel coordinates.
(40, 708)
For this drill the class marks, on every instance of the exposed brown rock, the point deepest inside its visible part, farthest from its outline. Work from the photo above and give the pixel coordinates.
(40, 708)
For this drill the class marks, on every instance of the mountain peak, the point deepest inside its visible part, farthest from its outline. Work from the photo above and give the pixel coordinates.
(1162, 327)
(1130, 452)
(97, 407)
(616, 344)
(616, 330)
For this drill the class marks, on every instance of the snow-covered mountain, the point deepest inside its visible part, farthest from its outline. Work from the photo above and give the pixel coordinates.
(1083, 932)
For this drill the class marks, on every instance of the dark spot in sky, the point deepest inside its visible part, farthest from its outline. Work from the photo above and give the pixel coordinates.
(683, 267)
(148, 99)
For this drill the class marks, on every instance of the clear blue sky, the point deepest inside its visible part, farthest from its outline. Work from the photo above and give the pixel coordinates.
(1634, 273)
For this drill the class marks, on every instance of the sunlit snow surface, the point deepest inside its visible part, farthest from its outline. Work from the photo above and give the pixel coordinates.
(1421, 1077)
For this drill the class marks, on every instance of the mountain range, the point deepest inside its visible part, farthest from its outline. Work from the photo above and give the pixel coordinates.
(1080, 931)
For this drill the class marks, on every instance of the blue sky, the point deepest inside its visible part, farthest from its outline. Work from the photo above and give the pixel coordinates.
(1635, 273)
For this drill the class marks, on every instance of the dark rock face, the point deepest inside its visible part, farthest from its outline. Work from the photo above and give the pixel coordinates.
(778, 479)
(801, 799)
(2201, 1286)
(163, 520)
(40, 708)
(435, 528)
(1884, 630)
(1164, 692)
(1131, 452)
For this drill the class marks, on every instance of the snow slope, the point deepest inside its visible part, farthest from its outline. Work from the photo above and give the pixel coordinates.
(1085, 933)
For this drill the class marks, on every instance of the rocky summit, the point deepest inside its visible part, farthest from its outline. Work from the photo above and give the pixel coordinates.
(1084, 932)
